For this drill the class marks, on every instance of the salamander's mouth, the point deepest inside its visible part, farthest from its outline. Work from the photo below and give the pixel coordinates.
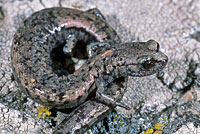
(63, 63)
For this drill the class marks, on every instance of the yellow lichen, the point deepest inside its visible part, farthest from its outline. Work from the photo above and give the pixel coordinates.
(149, 131)
(43, 113)
(157, 132)
(159, 126)
(114, 119)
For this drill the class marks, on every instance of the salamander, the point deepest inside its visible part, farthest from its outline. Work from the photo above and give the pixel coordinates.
(46, 42)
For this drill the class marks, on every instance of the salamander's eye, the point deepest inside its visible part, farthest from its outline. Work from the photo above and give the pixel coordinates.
(146, 62)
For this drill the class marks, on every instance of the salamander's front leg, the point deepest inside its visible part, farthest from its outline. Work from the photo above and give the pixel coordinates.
(92, 47)
(104, 95)
(70, 44)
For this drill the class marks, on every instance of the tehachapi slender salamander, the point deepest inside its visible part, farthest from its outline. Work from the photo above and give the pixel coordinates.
(43, 74)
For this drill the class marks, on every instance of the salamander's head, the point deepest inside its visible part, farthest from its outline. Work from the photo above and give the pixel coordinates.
(140, 58)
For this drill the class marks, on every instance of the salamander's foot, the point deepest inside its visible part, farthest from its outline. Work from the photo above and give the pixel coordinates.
(94, 46)
(109, 99)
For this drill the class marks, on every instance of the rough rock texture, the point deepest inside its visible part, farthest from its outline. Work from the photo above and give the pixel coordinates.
(169, 99)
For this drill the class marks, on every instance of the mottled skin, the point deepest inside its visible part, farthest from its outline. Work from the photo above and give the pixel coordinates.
(109, 62)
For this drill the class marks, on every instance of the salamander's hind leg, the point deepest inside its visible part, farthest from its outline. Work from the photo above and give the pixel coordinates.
(70, 44)
(96, 12)
(106, 96)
